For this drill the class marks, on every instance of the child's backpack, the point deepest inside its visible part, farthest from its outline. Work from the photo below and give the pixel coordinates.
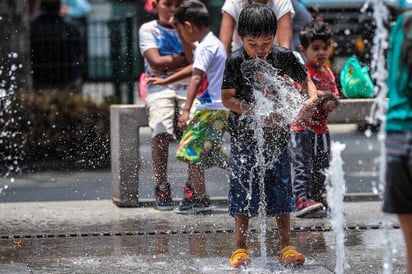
(355, 80)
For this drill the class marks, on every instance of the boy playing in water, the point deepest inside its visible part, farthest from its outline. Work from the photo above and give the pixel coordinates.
(257, 29)
(311, 139)
(163, 53)
(201, 143)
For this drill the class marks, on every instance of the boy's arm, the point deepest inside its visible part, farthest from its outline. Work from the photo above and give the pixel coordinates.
(309, 88)
(166, 62)
(230, 101)
(285, 30)
(227, 27)
(194, 86)
(179, 75)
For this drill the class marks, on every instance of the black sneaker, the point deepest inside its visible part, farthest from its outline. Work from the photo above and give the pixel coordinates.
(192, 204)
(164, 200)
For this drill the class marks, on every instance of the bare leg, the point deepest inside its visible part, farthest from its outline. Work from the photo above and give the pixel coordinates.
(241, 228)
(405, 221)
(160, 154)
(197, 177)
(283, 224)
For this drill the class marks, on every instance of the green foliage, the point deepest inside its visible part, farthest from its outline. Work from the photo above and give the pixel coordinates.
(61, 127)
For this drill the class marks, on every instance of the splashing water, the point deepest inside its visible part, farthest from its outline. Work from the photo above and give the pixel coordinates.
(10, 152)
(378, 109)
(275, 98)
(335, 188)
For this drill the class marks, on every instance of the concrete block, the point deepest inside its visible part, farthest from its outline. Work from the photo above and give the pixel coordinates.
(354, 111)
(125, 121)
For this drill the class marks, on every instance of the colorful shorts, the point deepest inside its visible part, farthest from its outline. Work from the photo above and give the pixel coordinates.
(202, 140)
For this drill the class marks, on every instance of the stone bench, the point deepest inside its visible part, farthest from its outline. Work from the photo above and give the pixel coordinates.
(126, 120)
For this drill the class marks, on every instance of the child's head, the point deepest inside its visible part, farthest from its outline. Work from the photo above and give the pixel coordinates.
(315, 39)
(257, 28)
(191, 17)
(165, 10)
(193, 11)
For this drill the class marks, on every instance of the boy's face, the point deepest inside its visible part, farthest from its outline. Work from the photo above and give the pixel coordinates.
(258, 47)
(317, 53)
(165, 10)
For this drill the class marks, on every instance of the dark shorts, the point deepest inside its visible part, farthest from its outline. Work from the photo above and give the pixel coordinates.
(245, 179)
(398, 189)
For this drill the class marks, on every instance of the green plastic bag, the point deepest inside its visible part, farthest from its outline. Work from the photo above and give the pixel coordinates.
(355, 80)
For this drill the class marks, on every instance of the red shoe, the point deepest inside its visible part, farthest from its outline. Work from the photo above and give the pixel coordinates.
(305, 207)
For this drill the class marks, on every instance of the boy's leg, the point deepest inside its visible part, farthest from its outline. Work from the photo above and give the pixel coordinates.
(197, 178)
(288, 253)
(405, 221)
(240, 256)
(160, 154)
(303, 164)
(320, 165)
(283, 224)
(161, 112)
(302, 147)
(241, 230)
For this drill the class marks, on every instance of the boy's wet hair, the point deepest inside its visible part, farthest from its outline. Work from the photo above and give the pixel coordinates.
(315, 30)
(194, 12)
(256, 20)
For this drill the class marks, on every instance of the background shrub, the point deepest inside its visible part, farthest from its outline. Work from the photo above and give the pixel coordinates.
(55, 129)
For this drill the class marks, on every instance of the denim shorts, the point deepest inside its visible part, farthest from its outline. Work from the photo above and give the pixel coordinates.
(245, 180)
(398, 189)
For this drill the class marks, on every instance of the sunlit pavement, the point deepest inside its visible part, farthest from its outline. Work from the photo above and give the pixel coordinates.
(98, 237)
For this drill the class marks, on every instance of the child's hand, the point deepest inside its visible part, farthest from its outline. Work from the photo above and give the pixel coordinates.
(182, 121)
(329, 102)
(308, 110)
(156, 81)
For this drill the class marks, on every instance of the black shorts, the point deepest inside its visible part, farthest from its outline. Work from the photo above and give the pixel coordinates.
(398, 189)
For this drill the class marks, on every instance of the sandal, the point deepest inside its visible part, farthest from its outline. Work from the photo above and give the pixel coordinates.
(239, 257)
(289, 256)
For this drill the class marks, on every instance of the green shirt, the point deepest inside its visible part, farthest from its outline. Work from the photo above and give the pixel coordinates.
(399, 112)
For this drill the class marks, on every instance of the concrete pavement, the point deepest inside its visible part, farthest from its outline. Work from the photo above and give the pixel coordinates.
(99, 237)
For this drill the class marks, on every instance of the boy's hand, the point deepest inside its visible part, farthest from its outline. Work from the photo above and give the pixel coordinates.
(155, 81)
(308, 110)
(183, 118)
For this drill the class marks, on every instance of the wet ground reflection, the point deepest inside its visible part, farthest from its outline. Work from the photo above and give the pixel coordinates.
(183, 252)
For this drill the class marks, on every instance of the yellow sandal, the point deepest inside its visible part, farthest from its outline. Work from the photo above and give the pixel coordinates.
(239, 257)
(289, 256)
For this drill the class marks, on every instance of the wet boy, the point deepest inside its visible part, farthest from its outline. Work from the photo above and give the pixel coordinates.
(257, 29)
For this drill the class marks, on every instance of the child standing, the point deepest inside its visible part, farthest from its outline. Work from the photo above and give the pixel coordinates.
(201, 143)
(398, 189)
(311, 139)
(257, 29)
(164, 54)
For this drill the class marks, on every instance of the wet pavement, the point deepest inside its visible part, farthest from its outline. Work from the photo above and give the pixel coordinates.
(99, 237)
